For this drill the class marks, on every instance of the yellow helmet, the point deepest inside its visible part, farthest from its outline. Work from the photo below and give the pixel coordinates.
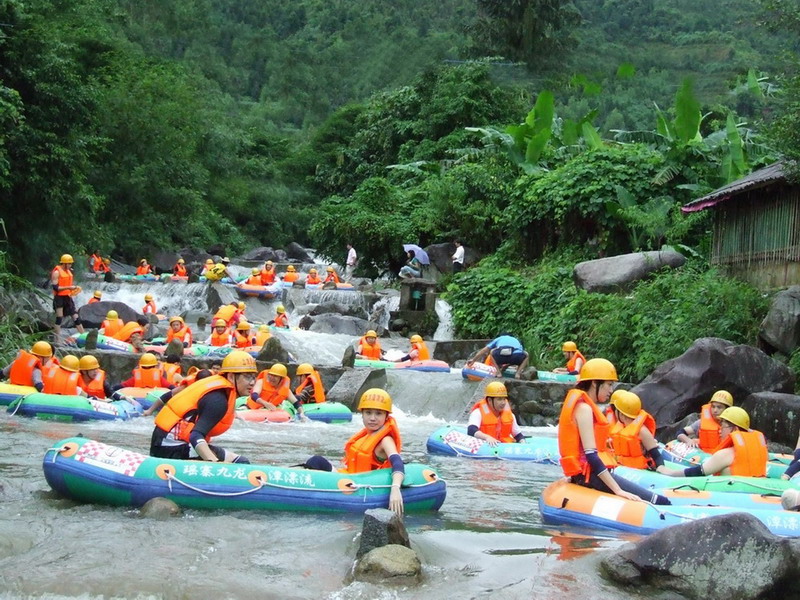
(255, 271)
(736, 415)
(220, 323)
(70, 363)
(312, 271)
(415, 339)
(243, 326)
(305, 369)
(599, 369)
(290, 268)
(241, 305)
(181, 261)
(278, 369)
(280, 309)
(209, 261)
(42, 349)
(88, 362)
(722, 397)
(148, 359)
(144, 260)
(329, 269)
(98, 294)
(263, 327)
(111, 315)
(496, 389)
(569, 347)
(148, 297)
(375, 398)
(176, 318)
(66, 259)
(238, 361)
(628, 403)
(371, 333)
(269, 262)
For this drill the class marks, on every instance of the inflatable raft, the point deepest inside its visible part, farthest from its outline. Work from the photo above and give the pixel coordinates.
(104, 342)
(266, 292)
(563, 503)
(688, 456)
(710, 483)
(431, 366)
(72, 408)
(340, 287)
(324, 412)
(10, 392)
(89, 471)
(144, 396)
(454, 441)
(480, 371)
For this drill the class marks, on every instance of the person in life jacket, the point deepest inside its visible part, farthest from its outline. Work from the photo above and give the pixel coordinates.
(63, 283)
(281, 319)
(243, 336)
(191, 418)
(206, 266)
(583, 435)
(131, 329)
(220, 271)
(144, 268)
(93, 379)
(262, 335)
(171, 366)
(309, 387)
(632, 433)
(179, 330)
(255, 277)
(313, 277)
(742, 451)
(112, 324)
(94, 259)
(220, 335)
(147, 375)
(418, 351)
(103, 266)
(369, 347)
(575, 360)
(268, 273)
(705, 432)
(228, 313)
(179, 269)
(331, 276)
(504, 350)
(28, 367)
(291, 274)
(62, 379)
(96, 297)
(239, 314)
(272, 388)
(491, 419)
(149, 307)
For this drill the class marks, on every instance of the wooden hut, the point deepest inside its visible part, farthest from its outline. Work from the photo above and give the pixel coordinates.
(756, 234)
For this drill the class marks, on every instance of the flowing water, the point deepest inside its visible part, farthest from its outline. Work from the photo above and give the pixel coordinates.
(487, 539)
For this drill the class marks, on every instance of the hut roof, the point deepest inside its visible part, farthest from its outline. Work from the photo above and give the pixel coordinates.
(756, 179)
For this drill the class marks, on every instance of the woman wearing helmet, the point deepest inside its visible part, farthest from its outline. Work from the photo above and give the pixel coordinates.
(243, 336)
(742, 452)
(632, 433)
(28, 367)
(705, 432)
(583, 433)
(179, 269)
(491, 419)
(144, 268)
(149, 305)
(575, 360)
(111, 324)
(220, 335)
(191, 418)
(268, 273)
(369, 347)
(313, 277)
(272, 388)
(331, 276)
(418, 351)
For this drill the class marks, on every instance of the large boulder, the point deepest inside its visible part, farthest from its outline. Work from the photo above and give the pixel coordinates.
(682, 385)
(94, 314)
(719, 558)
(451, 351)
(393, 564)
(333, 323)
(780, 329)
(353, 383)
(382, 527)
(296, 252)
(160, 509)
(273, 351)
(350, 310)
(219, 295)
(441, 256)
(776, 415)
(619, 273)
(27, 309)
(164, 261)
(261, 254)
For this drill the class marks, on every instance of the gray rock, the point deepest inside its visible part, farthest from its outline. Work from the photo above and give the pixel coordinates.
(780, 329)
(305, 323)
(260, 254)
(273, 351)
(333, 323)
(619, 273)
(218, 250)
(94, 314)
(382, 527)
(454, 350)
(776, 415)
(726, 557)
(353, 383)
(393, 564)
(164, 261)
(349, 358)
(281, 256)
(28, 309)
(441, 256)
(670, 432)
(682, 385)
(219, 295)
(160, 508)
(350, 310)
(297, 252)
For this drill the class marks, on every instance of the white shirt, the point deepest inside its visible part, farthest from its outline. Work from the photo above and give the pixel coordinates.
(458, 257)
(352, 257)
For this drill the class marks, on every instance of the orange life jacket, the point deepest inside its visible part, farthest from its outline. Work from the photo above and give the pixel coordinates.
(184, 334)
(241, 340)
(371, 352)
(315, 380)
(93, 260)
(101, 267)
(359, 451)
(291, 276)
(111, 327)
(147, 378)
(60, 381)
(22, 368)
(332, 276)
(611, 417)
(573, 458)
(150, 308)
(124, 334)
(313, 279)
(254, 280)
(173, 416)
(179, 270)
(226, 313)
(497, 426)
(282, 320)
(65, 279)
(628, 449)
(92, 300)
(262, 337)
(171, 372)
(708, 435)
(267, 276)
(571, 362)
(94, 387)
(749, 453)
(422, 349)
(273, 395)
(220, 339)
(143, 270)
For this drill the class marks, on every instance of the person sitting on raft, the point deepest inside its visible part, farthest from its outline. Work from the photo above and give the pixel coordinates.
(491, 419)
(705, 432)
(93, 379)
(149, 307)
(190, 419)
(219, 271)
(575, 360)
(179, 330)
(742, 452)
(331, 275)
(504, 350)
(271, 389)
(63, 378)
(632, 433)
(96, 297)
(27, 368)
(144, 268)
(313, 278)
(179, 269)
(262, 335)
(309, 386)
(206, 266)
(369, 347)
(583, 436)
(133, 333)
(220, 335)
(112, 324)
(147, 375)
(243, 336)
(268, 273)
(281, 319)
(418, 351)
(291, 274)
(376, 446)
(255, 277)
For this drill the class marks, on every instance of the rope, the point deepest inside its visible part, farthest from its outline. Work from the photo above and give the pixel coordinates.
(55, 451)
(171, 478)
(19, 403)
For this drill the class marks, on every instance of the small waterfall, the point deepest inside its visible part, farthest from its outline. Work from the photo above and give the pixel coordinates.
(382, 308)
(171, 298)
(346, 298)
(444, 332)
(441, 395)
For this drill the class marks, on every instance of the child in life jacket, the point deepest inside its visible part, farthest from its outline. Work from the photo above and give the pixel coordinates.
(491, 419)
(705, 432)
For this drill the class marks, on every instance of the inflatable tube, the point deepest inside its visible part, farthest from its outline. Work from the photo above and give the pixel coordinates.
(89, 471)
(340, 287)
(328, 412)
(104, 342)
(72, 408)
(454, 441)
(563, 503)
(710, 483)
(193, 350)
(179, 278)
(375, 364)
(560, 377)
(144, 396)
(137, 278)
(267, 292)
(263, 415)
(686, 455)
(429, 366)
(10, 392)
